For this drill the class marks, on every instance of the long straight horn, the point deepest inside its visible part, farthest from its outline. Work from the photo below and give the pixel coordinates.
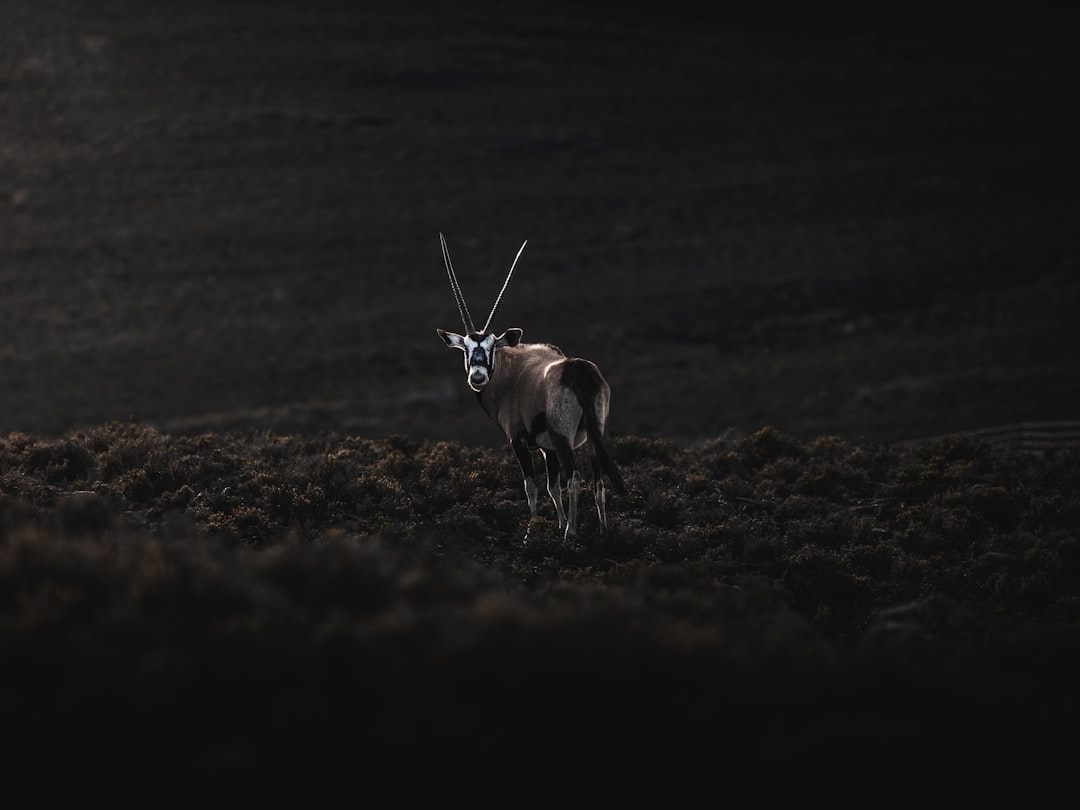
(497, 300)
(463, 310)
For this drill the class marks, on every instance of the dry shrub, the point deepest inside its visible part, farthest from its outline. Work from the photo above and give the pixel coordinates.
(383, 580)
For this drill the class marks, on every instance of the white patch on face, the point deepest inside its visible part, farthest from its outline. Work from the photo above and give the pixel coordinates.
(479, 360)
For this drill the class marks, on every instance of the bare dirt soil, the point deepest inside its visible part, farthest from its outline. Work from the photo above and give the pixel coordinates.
(218, 215)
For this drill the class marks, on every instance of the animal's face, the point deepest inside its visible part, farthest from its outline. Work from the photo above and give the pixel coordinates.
(479, 349)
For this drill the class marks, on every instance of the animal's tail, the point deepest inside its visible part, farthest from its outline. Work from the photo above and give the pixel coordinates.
(596, 441)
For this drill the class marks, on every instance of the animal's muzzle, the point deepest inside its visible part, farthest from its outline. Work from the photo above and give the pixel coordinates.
(478, 378)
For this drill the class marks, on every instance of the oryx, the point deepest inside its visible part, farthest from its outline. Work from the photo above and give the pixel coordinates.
(540, 398)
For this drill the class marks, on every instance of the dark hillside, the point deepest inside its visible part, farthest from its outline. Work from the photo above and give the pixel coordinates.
(219, 215)
(225, 603)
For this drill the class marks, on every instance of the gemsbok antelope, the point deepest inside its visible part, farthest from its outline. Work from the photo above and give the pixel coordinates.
(541, 399)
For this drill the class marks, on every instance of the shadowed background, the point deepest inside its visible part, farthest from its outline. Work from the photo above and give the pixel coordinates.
(219, 215)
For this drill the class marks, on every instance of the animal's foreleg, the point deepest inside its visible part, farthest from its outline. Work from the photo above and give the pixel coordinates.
(524, 457)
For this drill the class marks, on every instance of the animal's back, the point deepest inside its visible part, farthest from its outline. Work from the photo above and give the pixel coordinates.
(517, 393)
(547, 366)
(527, 359)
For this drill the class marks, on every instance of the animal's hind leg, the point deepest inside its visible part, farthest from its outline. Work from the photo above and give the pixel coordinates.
(554, 484)
(566, 461)
(599, 494)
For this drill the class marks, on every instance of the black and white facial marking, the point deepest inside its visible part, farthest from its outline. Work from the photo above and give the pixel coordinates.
(479, 360)
(479, 349)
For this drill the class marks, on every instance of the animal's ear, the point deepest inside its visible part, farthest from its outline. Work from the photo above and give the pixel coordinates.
(511, 337)
(452, 339)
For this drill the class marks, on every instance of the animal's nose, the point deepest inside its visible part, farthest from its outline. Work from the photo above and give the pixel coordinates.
(478, 377)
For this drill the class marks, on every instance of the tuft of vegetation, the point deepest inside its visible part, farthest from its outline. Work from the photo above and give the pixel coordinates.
(310, 598)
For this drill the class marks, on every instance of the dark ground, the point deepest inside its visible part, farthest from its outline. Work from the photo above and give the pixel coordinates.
(222, 215)
(764, 613)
